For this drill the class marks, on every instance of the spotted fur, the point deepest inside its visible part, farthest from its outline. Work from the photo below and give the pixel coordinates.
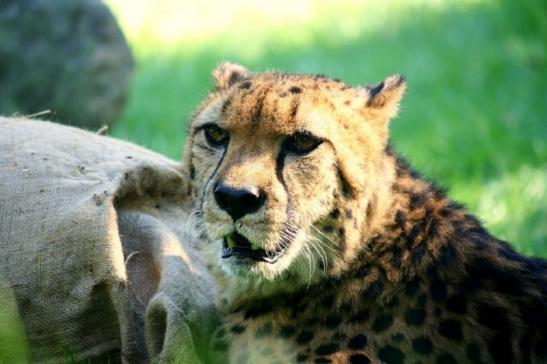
(380, 265)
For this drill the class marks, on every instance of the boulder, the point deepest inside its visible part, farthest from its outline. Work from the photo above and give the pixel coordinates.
(66, 56)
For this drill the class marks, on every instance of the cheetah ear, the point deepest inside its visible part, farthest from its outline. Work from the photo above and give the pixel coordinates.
(386, 95)
(228, 74)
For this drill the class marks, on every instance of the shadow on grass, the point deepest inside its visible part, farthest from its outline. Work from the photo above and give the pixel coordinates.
(473, 118)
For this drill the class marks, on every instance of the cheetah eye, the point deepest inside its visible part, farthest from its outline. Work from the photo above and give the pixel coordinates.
(216, 136)
(301, 143)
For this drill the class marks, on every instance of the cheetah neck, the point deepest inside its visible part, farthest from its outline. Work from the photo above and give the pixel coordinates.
(408, 231)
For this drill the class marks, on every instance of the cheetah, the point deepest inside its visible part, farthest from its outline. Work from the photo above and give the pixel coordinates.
(327, 247)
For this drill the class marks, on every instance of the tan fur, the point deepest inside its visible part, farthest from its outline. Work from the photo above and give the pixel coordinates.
(380, 265)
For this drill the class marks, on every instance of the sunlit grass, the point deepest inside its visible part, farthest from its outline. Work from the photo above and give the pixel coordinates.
(13, 345)
(474, 115)
(177, 25)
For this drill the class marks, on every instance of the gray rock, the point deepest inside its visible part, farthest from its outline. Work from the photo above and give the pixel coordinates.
(68, 56)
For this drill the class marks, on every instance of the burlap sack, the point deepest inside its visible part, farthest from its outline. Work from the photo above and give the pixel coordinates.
(92, 248)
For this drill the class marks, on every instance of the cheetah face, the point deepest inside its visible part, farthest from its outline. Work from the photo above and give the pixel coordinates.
(264, 155)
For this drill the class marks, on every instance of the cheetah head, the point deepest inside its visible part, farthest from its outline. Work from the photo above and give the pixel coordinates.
(285, 171)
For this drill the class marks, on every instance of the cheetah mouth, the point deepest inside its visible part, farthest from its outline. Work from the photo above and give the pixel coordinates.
(238, 246)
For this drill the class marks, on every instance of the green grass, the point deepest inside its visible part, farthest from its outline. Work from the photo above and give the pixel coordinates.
(474, 118)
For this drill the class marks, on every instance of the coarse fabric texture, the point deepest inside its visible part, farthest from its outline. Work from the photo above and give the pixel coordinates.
(92, 247)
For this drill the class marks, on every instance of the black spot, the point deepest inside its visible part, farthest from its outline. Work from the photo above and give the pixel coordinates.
(287, 331)
(359, 359)
(393, 302)
(493, 317)
(500, 348)
(259, 310)
(295, 90)
(300, 358)
(438, 291)
(357, 342)
(398, 337)
(328, 228)
(451, 329)
(245, 85)
(412, 287)
(328, 300)
(333, 321)
(422, 299)
(396, 257)
(448, 255)
(360, 316)
(310, 322)
(335, 213)
(192, 171)
(457, 303)
(238, 329)
(473, 353)
(304, 337)
(348, 213)
(400, 218)
(391, 355)
(327, 349)
(374, 290)
(415, 317)
(322, 360)
(417, 200)
(263, 331)
(412, 235)
(382, 322)
(422, 345)
(446, 359)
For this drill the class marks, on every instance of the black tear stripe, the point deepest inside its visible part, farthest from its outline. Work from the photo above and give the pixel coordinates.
(209, 180)
(346, 189)
(279, 165)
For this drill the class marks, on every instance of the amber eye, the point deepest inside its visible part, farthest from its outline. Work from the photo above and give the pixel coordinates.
(301, 143)
(216, 136)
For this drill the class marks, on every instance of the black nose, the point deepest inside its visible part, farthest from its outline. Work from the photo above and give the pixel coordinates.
(238, 202)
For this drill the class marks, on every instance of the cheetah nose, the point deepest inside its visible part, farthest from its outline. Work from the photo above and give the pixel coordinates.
(238, 202)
